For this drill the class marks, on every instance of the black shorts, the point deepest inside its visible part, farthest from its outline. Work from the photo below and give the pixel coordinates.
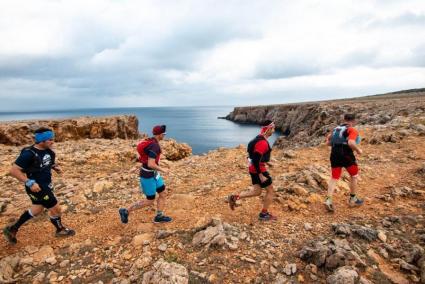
(342, 158)
(256, 179)
(45, 197)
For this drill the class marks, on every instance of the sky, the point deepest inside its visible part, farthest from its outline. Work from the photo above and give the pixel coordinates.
(99, 53)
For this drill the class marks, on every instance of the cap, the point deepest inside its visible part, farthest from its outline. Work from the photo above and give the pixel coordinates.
(159, 129)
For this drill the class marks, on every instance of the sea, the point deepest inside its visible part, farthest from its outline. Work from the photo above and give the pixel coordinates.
(200, 127)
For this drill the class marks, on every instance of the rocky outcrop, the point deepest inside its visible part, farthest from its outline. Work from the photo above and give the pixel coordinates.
(308, 123)
(166, 273)
(20, 133)
(174, 151)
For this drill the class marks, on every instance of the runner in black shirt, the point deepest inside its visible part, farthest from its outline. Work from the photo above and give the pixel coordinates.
(34, 167)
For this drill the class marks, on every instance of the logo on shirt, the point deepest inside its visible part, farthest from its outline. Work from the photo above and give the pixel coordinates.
(47, 159)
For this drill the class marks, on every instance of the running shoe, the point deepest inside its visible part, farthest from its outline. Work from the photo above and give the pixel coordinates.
(266, 217)
(329, 205)
(123, 215)
(355, 201)
(65, 232)
(10, 235)
(232, 201)
(162, 219)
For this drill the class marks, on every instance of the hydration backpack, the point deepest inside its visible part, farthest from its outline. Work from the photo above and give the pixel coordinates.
(36, 164)
(251, 147)
(339, 135)
(143, 157)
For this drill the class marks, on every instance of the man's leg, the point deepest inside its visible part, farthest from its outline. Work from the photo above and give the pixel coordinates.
(124, 212)
(55, 213)
(265, 215)
(354, 172)
(255, 191)
(336, 174)
(160, 216)
(160, 202)
(141, 204)
(268, 199)
(11, 231)
(148, 188)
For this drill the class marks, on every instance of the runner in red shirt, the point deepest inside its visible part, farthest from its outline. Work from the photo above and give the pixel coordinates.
(344, 140)
(259, 152)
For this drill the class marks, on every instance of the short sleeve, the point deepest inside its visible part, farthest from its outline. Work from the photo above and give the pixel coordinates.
(352, 133)
(25, 159)
(152, 150)
(261, 147)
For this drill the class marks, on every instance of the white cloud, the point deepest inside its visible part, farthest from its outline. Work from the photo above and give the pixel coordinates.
(120, 53)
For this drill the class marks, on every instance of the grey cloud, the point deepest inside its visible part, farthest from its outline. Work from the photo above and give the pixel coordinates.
(285, 70)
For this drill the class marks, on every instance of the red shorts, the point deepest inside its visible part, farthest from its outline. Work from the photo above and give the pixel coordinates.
(353, 170)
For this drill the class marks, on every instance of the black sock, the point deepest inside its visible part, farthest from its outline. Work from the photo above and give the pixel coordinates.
(56, 221)
(24, 217)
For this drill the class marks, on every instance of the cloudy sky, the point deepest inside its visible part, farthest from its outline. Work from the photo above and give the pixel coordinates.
(99, 53)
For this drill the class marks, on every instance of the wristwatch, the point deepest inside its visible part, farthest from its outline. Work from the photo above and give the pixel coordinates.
(29, 183)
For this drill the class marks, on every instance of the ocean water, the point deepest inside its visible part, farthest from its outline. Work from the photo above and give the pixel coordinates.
(197, 126)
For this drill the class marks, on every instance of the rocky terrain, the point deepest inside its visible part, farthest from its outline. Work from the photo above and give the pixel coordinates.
(21, 132)
(308, 122)
(381, 242)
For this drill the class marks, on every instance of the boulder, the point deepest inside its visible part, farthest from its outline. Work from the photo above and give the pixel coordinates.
(344, 275)
(216, 234)
(166, 273)
(174, 151)
(45, 253)
(315, 253)
(8, 266)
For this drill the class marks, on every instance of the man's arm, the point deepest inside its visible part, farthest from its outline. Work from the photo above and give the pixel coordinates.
(352, 136)
(352, 144)
(17, 173)
(152, 165)
(328, 139)
(256, 158)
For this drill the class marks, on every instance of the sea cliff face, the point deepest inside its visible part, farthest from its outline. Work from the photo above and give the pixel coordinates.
(21, 132)
(308, 123)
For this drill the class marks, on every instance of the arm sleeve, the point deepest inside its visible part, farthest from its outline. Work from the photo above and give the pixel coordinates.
(152, 151)
(256, 158)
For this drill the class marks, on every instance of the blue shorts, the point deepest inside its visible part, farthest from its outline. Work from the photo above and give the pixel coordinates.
(149, 186)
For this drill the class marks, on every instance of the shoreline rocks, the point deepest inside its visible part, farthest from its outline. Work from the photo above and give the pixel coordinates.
(21, 132)
(306, 124)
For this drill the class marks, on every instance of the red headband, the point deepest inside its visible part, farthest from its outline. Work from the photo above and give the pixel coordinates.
(264, 129)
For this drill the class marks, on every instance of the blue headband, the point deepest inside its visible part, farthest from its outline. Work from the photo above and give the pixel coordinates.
(41, 137)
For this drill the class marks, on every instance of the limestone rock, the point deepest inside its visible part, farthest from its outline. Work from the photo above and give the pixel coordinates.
(142, 239)
(21, 133)
(174, 151)
(45, 252)
(102, 186)
(8, 265)
(166, 273)
(343, 275)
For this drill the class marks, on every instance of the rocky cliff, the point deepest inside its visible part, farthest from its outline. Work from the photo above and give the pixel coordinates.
(21, 132)
(308, 123)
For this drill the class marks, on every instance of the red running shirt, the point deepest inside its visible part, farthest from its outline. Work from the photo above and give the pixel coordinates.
(261, 147)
